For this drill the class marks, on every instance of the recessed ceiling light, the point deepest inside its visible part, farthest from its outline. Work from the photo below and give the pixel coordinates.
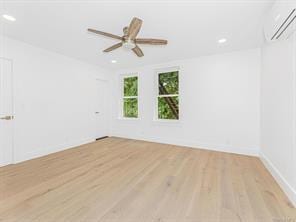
(222, 40)
(9, 17)
(113, 61)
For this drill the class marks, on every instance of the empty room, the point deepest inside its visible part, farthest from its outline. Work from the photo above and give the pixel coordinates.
(148, 111)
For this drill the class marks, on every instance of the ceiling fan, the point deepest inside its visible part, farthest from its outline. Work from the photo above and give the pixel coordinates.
(129, 40)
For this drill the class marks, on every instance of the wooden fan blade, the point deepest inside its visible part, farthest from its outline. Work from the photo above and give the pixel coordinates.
(134, 28)
(113, 47)
(105, 34)
(151, 41)
(138, 51)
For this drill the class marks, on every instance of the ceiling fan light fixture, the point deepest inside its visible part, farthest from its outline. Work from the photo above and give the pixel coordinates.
(129, 44)
(129, 40)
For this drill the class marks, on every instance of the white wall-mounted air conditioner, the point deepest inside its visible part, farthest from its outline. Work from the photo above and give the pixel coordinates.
(281, 20)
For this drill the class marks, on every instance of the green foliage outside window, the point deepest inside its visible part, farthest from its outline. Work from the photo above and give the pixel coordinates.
(130, 108)
(130, 99)
(170, 83)
(168, 102)
(165, 111)
(131, 86)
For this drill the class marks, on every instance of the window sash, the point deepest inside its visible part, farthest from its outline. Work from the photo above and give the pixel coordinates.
(123, 81)
(129, 97)
(174, 108)
(123, 109)
(158, 79)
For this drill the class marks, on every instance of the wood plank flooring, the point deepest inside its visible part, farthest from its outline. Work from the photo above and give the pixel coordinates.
(121, 180)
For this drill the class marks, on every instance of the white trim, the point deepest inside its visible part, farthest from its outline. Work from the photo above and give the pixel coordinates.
(249, 151)
(13, 106)
(168, 69)
(130, 97)
(126, 75)
(168, 95)
(129, 118)
(294, 107)
(52, 149)
(169, 121)
(13, 110)
(286, 187)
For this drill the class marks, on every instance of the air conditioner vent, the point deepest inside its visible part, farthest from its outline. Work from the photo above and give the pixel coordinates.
(288, 21)
(281, 21)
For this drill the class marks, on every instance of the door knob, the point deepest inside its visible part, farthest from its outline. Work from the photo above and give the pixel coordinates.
(7, 118)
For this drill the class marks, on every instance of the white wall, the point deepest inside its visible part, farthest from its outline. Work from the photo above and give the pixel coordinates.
(219, 104)
(54, 99)
(278, 113)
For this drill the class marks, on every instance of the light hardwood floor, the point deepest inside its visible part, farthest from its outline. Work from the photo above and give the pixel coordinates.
(120, 180)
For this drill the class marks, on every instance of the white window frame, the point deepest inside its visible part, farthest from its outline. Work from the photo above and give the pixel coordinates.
(122, 97)
(156, 90)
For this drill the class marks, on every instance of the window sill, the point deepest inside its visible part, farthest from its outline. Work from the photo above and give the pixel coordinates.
(167, 121)
(128, 119)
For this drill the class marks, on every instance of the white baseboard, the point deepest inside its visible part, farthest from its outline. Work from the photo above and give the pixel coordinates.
(286, 187)
(51, 149)
(196, 144)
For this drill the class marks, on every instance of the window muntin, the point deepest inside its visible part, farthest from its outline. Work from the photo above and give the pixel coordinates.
(168, 95)
(130, 97)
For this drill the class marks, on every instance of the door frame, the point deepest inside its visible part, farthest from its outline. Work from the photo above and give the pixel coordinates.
(13, 108)
(106, 82)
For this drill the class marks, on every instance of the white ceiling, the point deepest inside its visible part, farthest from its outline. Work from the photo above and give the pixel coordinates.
(192, 28)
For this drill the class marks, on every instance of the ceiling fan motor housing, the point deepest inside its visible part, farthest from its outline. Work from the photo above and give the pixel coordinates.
(129, 44)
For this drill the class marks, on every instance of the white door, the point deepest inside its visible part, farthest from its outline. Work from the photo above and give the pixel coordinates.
(101, 114)
(6, 112)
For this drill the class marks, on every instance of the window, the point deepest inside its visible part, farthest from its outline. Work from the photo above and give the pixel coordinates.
(168, 95)
(130, 97)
